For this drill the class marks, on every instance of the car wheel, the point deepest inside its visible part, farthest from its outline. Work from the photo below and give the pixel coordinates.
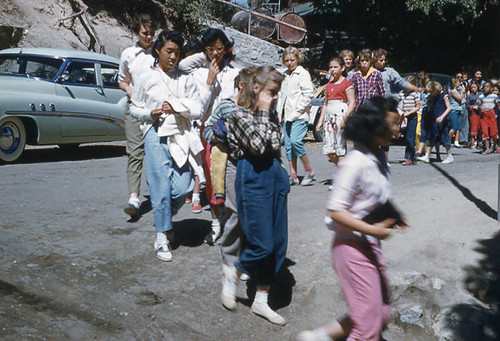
(12, 139)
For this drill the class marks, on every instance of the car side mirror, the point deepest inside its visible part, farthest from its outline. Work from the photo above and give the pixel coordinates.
(63, 78)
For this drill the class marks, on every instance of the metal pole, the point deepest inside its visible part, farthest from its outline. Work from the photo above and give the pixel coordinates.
(249, 21)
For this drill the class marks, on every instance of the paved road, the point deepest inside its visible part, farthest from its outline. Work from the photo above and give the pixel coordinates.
(72, 267)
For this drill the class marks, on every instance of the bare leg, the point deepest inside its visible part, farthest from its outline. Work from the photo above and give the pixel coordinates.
(337, 329)
(293, 166)
(305, 161)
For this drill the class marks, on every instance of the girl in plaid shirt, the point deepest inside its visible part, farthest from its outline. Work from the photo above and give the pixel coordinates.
(261, 190)
(367, 80)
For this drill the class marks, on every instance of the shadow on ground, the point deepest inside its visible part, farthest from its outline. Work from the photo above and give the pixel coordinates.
(480, 322)
(190, 232)
(56, 154)
(480, 204)
(281, 291)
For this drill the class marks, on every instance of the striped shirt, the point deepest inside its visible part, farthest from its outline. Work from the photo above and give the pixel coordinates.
(408, 101)
(223, 111)
(253, 134)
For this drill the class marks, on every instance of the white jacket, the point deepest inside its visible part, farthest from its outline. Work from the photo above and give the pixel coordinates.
(176, 88)
(295, 95)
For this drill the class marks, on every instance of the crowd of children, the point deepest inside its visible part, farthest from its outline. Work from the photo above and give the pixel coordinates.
(242, 115)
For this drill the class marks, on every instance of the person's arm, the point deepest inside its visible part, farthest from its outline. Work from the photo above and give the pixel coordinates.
(350, 101)
(446, 100)
(380, 230)
(380, 84)
(192, 62)
(306, 92)
(456, 96)
(321, 119)
(124, 77)
(220, 112)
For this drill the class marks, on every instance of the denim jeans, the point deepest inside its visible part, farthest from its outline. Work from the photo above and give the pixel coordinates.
(168, 184)
(410, 135)
(439, 132)
(261, 193)
(294, 138)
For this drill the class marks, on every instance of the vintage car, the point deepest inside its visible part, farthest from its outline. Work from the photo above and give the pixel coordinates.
(55, 96)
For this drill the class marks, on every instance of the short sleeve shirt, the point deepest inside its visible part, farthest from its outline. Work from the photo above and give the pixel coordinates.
(338, 90)
(488, 102)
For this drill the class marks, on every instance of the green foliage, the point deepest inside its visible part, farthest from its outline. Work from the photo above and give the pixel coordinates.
(464, 9)
(191, 16)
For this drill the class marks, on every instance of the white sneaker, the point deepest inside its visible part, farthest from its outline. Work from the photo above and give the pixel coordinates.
(262, 309)
(449, 159)
(163, 251)
(244, 277)
(228, 295)
(425, 158)
(308, 179)
(313, 335)
(457, 145)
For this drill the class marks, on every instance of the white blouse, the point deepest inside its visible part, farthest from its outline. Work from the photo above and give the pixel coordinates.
(134, 63)
(362, 183)
(211, 95)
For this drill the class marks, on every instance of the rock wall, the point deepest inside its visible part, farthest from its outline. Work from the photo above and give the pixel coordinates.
(41, 24)
(252, 51)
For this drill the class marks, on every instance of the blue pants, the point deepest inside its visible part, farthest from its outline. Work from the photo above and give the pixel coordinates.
(168, 184)
(439, 132)
(455, 118)
(464, 133)
(410, 135)
(261, 194)
(294, 138)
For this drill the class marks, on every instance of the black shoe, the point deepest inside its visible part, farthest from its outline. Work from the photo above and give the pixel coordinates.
(132, 211)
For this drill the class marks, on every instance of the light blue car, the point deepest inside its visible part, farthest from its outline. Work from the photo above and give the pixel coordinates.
(55, 96)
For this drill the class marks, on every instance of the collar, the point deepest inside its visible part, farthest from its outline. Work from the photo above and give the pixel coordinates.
(370, 71)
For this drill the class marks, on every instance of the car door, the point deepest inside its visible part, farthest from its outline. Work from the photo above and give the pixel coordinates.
(116, 99)
(81, 103)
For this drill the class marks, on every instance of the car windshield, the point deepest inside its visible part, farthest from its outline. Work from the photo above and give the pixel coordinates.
(29, 66)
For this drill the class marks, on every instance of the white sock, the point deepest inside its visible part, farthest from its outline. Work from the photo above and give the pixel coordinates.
(161, 237)
(261, 297)
(196, 197)
(215, 225)
(134, 201)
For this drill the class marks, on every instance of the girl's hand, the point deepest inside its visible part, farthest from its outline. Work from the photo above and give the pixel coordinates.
(213, 71)
(383, 229)
(319, 126)
(265, 101)
(403, 225)
(167, 108)
(156, 113)
(342, 123)
(440, 119)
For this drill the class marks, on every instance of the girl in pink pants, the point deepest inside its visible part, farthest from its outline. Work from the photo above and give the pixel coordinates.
(362, 184)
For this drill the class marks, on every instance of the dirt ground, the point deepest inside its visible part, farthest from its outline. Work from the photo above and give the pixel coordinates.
(73, 267)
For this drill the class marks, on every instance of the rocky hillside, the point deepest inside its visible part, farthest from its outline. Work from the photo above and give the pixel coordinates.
(100, 27)
(56, 23)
